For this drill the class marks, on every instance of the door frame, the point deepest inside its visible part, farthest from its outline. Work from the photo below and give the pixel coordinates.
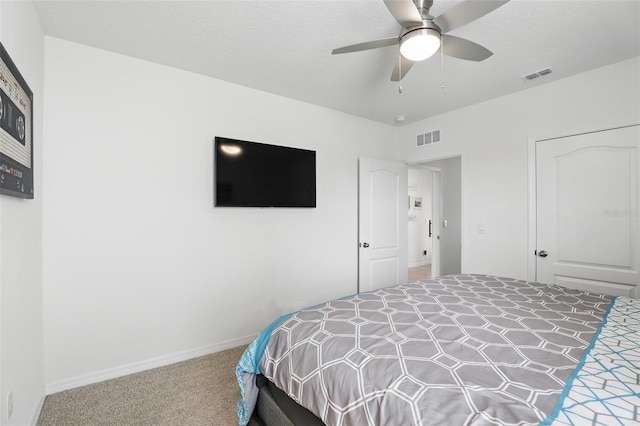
(436, 193)
(532, 219)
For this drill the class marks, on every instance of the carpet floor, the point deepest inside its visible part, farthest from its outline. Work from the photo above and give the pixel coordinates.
(200, 391)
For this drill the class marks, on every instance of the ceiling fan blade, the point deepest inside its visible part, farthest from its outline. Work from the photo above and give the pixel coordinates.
(405, 66)
(366, 45)
(466, 12)
(464, 49)
(405, 12)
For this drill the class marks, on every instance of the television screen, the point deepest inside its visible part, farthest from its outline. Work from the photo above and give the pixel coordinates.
(250, 174)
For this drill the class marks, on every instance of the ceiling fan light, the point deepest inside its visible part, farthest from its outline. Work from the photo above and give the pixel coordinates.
(419, 45)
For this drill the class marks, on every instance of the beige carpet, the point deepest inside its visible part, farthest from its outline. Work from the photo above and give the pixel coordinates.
(201, 391)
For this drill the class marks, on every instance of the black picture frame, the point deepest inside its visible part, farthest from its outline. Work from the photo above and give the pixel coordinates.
(16, 131)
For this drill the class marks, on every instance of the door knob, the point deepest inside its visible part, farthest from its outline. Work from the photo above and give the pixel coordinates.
(365, 245)
(543, 253)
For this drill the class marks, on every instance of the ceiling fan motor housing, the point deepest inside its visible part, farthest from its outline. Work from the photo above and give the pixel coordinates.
(427, 24)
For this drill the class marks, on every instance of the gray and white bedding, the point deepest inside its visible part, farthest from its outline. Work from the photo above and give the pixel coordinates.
(458, 350)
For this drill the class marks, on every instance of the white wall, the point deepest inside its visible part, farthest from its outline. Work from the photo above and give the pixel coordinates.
(420, 183)
(493, 139)
(139, 268)
(21, 331)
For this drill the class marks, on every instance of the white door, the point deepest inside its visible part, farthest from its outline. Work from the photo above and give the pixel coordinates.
(383, 216)
(587, 211)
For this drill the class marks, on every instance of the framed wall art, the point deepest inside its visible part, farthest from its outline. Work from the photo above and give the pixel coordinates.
(16, 130)
(417, 203)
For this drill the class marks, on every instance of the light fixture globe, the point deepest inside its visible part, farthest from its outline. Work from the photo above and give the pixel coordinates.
(418, 45)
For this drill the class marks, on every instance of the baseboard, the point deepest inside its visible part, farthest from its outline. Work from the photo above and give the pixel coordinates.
(137, 367)
(415, 264)
(36, 415)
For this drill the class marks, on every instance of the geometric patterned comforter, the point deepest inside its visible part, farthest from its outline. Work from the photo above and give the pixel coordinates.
(605, 388)
(457, 350)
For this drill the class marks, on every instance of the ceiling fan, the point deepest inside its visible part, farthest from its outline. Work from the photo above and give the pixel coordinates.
(422, 35)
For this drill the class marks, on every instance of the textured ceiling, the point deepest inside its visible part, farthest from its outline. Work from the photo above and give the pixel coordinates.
(284, 47)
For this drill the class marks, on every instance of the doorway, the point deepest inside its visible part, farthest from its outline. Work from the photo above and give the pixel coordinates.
(420, 227)
(435, 218)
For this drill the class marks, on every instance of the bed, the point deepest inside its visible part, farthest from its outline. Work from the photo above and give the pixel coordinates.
(457, 350)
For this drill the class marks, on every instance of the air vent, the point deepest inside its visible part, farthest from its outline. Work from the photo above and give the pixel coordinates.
(428, 138)
(540, 73)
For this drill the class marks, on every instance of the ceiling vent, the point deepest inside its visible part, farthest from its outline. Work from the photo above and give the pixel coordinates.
(540, 73)
(428, 138)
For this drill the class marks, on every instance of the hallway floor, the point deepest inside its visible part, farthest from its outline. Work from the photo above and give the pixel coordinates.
(418, 273)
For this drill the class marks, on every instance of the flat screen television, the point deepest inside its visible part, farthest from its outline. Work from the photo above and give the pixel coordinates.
(251, 174)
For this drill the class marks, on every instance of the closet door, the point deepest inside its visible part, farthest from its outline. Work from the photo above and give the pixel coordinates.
(588, 215)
